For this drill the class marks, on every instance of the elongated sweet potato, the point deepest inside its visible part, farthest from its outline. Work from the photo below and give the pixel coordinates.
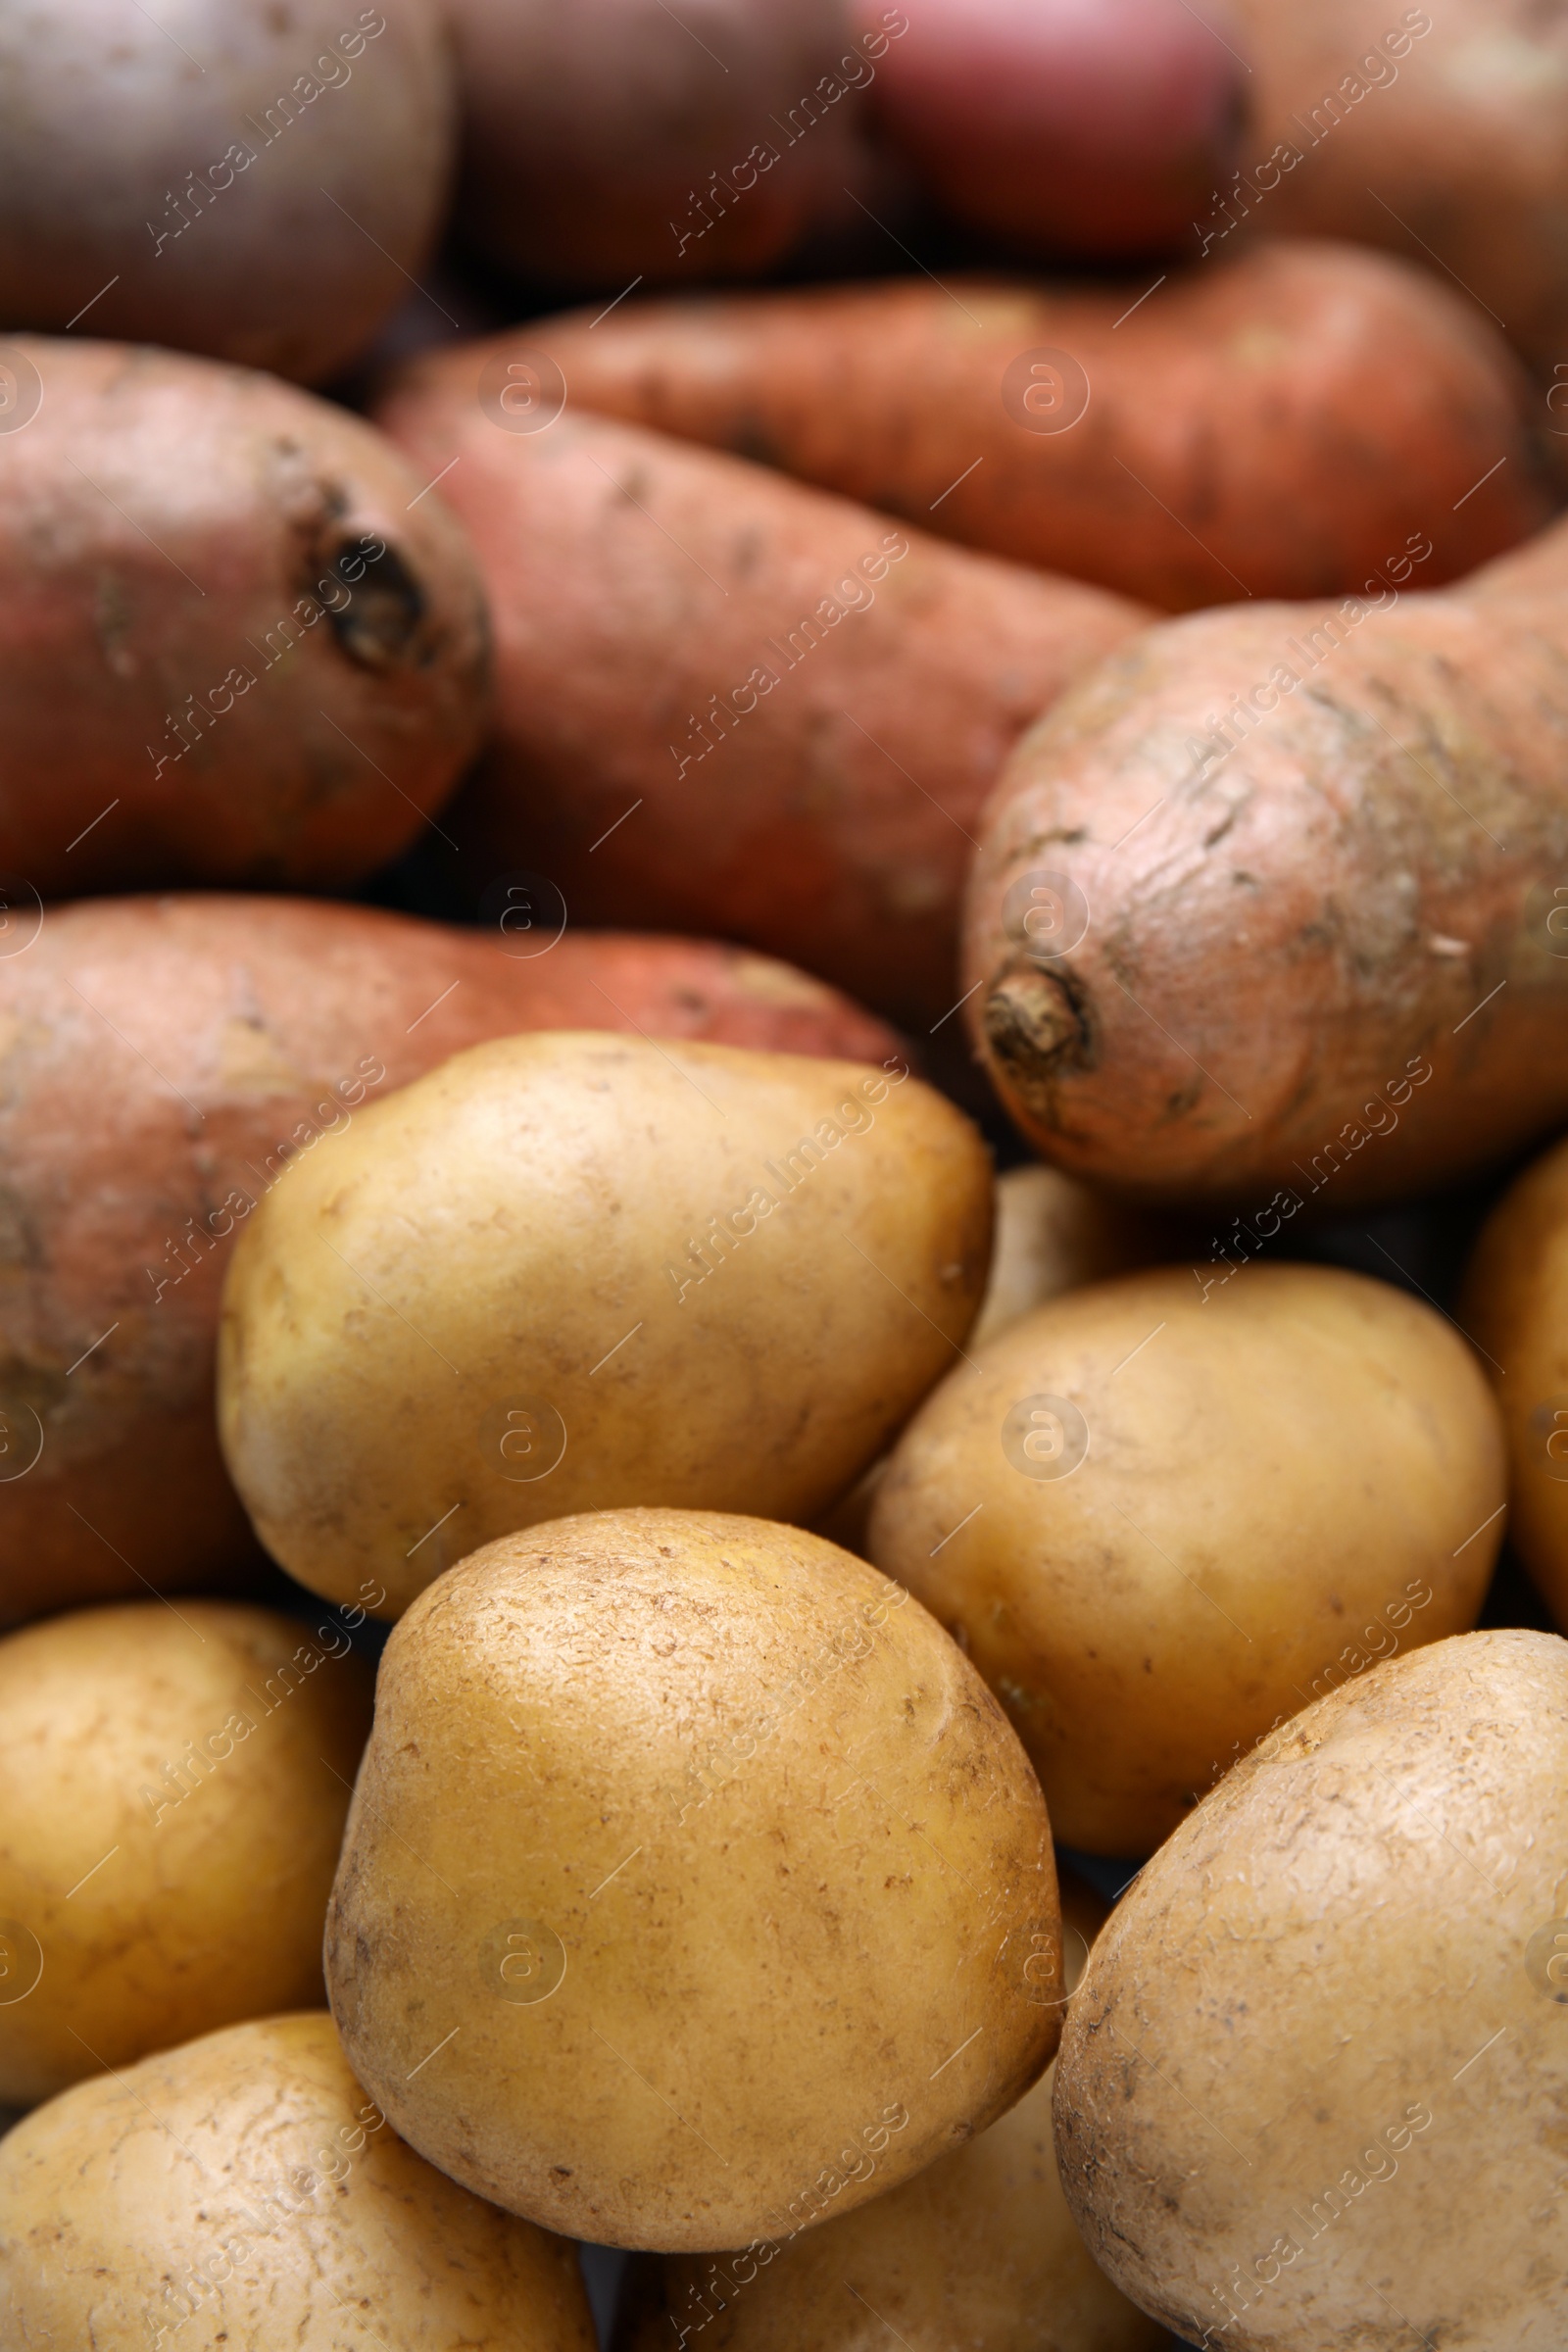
(729, 703)
(1265, 910)
(1441, 133)
(240, 178)
(163, 1062)
(1276, 425)
(236, 643)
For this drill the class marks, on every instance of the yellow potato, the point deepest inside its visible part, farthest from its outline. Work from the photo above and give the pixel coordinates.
(242, 2195)
(1515, 1303)
(172, 1792)
(568, 1272)
(695, 1887)
(979, 2250)
(1312, 2089)
(1163, 1520)
(1052, 1235)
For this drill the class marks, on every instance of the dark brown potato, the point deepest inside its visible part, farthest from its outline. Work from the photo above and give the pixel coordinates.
(236, 643)
(161, 1061)
(1264, 910)
(236, 176)
(729, 703)
(1281, 424)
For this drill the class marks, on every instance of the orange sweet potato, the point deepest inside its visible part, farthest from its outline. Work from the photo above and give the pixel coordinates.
(238, 644)
(1267, 910)
(163, 1062)
(726, 701)
(1273, 425)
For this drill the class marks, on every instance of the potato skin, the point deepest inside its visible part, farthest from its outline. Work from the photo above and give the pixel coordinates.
(1314, 967)
(594, 135)
(729, 703)
(261, 196)
(245, 2181)
(1362, 404)
(1266, 1489)
(164, 1896)
(1052, 1236)
(163, 1062)
(1467, 157)
(566, 1272)
(199, 643)
(763, 1827)
(1341, 1962)
(1515, 1303)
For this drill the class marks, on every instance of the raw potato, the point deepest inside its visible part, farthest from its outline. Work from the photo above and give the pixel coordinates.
(172, 1792)
(1320, 411)
(977, 2250)
(1311, 2088)
(618, 138)
(738, 1906)
(1515, 1303)
(1066, 128)
(728, 702)
(246, 2185)
(566, 1272)
(1462, 167)
(162, 1063)
(1160, 1521)
(1296, 869)
(233, 637)
(258, 188)
(1052, 1236)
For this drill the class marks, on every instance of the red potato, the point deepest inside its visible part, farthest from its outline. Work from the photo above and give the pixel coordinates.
(161, 1061)
(237, 177)
(1439, 133)
(618, 138)
(1264, 911)
(727, 703)
(1277, 425)
(236, 644)
(656, 753)
(1090, 127)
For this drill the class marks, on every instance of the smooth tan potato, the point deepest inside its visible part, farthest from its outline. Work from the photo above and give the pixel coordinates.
(1311, 2089)
(172, 1792)
(218, 1040)
(1052, 1235)
(695, 1887)
(1515, 1303)
(234, 176)
(1160, 1522)
(566, 1272)
(241, 2194)
(235, 638)
(978, 2251)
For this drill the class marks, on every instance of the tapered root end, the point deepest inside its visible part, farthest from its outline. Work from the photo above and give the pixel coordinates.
(1035, 1032)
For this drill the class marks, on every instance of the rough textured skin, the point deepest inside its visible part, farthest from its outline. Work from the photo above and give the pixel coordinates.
(594, 134)
(1276, 427)
(568, 1272)
(250, 180)
(1316, 954)
(768, 1821)
(1515, 1301)
(730, 703)
(161, 1063)
(1085, 126)
(160, 1895)
(1314, 2089)
(1283, 1481)
(1452, 149)
(978, 2251)
(243, 2192)
(210, 673)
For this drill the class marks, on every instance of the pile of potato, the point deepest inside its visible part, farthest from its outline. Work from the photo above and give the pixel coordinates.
(783, 1176)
